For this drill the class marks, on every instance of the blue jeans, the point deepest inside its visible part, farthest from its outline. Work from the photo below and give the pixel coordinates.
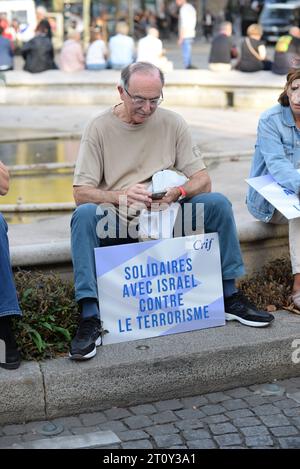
(218, 217)
(186, 48)
(9, 304)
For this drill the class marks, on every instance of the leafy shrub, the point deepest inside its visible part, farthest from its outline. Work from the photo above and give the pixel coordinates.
(50, 315)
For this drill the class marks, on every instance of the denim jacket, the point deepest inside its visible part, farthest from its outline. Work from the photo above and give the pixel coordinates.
(277, 152)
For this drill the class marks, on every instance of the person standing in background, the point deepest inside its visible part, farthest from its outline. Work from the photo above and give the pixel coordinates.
(186, 30)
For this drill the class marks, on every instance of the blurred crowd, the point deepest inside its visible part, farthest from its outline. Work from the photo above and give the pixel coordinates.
(118, 48)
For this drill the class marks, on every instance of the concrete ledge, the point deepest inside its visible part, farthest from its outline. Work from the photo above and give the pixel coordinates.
(172, 366)
(183, 88)
(22, 394)
(260, 243)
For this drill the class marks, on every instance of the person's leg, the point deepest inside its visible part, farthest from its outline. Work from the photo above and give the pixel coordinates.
(85, 237)
(186, 47)
(218, 217)
(294, 245)
(294, 241)
(9, 305)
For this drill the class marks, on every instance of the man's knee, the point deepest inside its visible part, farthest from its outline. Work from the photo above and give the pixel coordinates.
(84, 213)
(218, 203)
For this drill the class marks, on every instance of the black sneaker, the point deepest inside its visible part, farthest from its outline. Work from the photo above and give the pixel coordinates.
(239, 308)
(10, 357)
(87, 338)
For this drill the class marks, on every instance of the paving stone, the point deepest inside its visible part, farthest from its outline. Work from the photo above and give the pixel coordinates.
(165, 441)
(216, 397)
(14, 429)
(38, 436)
(164, 417)
(69, 422)
(235, 404)
(7, 441)
(140, 444)
(82, 430)
(239, 392)
(276, 420)
(287, 404)
(172, 404)
(201, 444)
(111, 447)
(195, 434)
(132, 435)
(93, 419)
(189, 414)
(213, 409)
(117, 414)
(257, 430)
(285, 431)
(296, 421)
(158, 430)
(138, 421)
(215, 419)
(256, 400)
(195, 401)
(266, 409)
(189, 424)
(259, 441)
(289, 442)
(292, 412)
(114, 426)
(178, 447)
(234, 414)
(222, 428)
(229, 439)
(246, 422)
(143, 409)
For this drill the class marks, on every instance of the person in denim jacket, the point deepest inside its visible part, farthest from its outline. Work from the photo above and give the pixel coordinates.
(277, 152)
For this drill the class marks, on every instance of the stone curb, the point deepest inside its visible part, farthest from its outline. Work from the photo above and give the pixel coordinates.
(167, 367)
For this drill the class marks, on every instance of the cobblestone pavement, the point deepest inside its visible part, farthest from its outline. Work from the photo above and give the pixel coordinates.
(260, 416)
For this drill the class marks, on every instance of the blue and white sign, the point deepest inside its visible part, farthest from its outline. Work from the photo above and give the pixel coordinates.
(283, 199)
(160, 287)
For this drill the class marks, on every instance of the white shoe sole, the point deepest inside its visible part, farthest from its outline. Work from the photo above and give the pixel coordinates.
(89, 355)
(246, 322)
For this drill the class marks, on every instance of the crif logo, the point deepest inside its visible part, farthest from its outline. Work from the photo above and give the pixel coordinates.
(2, 351)
(200, 245)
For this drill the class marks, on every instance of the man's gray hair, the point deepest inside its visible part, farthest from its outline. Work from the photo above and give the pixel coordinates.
(143, 67)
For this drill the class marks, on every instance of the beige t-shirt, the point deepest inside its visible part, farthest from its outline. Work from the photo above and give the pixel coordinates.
(114, 155)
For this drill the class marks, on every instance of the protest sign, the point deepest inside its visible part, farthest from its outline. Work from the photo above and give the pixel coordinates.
(160, 287)
(284, 200)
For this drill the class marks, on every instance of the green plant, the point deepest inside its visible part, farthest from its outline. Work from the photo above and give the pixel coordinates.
(50, 315)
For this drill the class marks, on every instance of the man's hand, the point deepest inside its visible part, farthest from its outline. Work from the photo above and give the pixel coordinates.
(4, 179)
(138, 194)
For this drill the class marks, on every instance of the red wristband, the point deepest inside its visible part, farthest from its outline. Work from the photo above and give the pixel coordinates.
(182, 190)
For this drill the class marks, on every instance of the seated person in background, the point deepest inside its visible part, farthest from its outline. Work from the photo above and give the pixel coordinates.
(9, 306)
(96, 56)
(150, 49)
(222, 49)
(38, 53)
(287, 51)
(71, 56)
(120, 151)
(121, 47)
(6, 53)
(253, 52)
(277, 153)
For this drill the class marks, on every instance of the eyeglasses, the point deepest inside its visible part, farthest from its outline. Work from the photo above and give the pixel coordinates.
(139, 101)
